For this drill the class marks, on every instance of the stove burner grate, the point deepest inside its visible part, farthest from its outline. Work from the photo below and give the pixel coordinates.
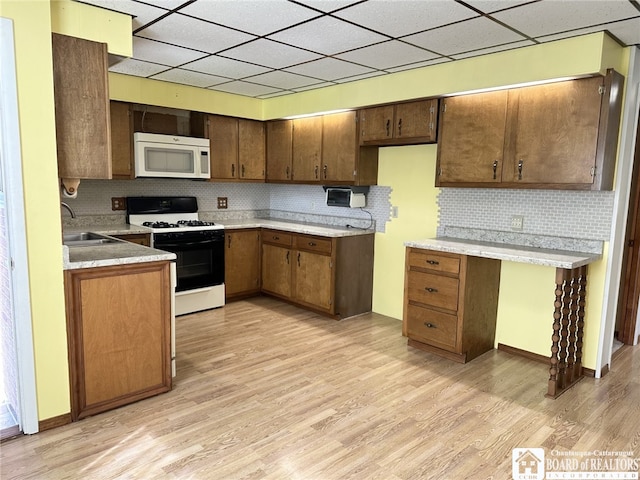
(159, 224)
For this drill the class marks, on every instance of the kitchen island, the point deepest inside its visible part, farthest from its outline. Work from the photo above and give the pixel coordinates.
(459, 259)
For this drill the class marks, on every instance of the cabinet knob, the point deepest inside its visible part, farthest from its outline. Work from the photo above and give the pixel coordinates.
(275, 237)
(433, 262)
(233, 170)
(495, 168)
(324, 170)
(429, 325)
(400, 127)
(288, 252)
(520, 169)
(312, 244)
(388, 126)
(243, 170)
(316, 172)
(431, 290)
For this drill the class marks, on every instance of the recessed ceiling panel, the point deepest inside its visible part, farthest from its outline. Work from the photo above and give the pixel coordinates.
(404, 17)
(388, 55)
(411, 66)
(193, 33)
(328, 35)
(280, 79)
(546, 18)
(158, 52)
(497, 48)
(187, 77)
(465, 36)
(488, 6)
(245, 88)
(270, 54)
(627, 31)
(138, 68)
(254, 16)
(216, 65)
(329, 69)
(328, 5)
(141, 12)
(360, 77)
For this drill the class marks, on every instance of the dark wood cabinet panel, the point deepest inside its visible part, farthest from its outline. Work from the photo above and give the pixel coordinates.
(314, 278)
(122, 140)
(307, 149)
(376, 124)
(251, 149)
(279, 150)
(223, 140)
(399, 124)
(242, 263)
(339, 147)
(276, 270)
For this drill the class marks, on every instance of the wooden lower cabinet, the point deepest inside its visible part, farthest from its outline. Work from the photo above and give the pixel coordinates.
(450, 303)
(242, 263)
(333, 276)
(119, 334)
(139, 238)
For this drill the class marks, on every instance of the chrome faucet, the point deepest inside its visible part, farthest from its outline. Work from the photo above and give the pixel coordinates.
(73, 214)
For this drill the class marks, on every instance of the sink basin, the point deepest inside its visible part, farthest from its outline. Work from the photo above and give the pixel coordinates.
(86, 239)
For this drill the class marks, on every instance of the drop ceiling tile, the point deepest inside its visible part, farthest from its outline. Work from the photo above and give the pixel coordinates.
(193, 33)
(387, 55)
(280, 79)
(627, 31)
(460, 37)
(245, 88)
(488, 6)
(254, 16)
(272, 95)
(328, 35)
(329, 69)
(131, 66)
(361, 77)
(168, 4)
(399, 18)
(546, 18)
(328, 5)
(497, 48)
(314, 87)
(216, 65)
(270, 54)
(158, 52)
(187, 77)
(413, 66)
(141, 12)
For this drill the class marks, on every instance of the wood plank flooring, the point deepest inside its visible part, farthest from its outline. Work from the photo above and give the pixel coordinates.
(269, 391)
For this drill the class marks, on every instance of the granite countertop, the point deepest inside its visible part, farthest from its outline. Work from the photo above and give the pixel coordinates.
(512, 253)
(295, 227)
(120, 229)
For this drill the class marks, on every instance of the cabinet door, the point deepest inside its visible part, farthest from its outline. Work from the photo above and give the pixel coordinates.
(251, 149)
(223, 141)
(81, 92)
(339, 147)
(376, 124)
(242, 262)
(121, 140)
(279, 143)
(307, 149)
(471, 139)
(416, 121)
(555, 133)
(276, 270)
(313, 280)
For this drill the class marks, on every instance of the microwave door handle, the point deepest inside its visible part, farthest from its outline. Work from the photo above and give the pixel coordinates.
(187, 244)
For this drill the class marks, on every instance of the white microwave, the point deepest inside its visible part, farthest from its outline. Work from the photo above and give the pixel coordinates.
(170, 156)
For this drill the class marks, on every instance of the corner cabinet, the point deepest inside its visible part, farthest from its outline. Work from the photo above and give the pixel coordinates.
(450, 303)
(242, 263)
(333, 276)
(81, 92)
(119, 334)
(400, 124)
(560, 135)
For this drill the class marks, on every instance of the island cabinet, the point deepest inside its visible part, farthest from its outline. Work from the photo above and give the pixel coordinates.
(333, 276)
(399, 124)
(450, 303)
(119, 334)
(279, 150)
(242, 263)
(81, 93)
(237, 148)
(560, 135)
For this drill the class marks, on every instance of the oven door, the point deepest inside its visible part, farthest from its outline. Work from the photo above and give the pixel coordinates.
(200, 257)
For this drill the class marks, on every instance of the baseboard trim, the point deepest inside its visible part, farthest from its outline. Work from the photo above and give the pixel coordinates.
(54, 422)
(523, 353)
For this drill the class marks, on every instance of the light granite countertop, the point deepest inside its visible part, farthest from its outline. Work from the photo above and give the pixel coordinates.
(295, 227)
(512, 253)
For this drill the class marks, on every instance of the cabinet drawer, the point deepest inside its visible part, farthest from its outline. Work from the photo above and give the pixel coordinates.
(313, 244)
(429, 326)
(433, 261)
(277, 237)
(434, 290)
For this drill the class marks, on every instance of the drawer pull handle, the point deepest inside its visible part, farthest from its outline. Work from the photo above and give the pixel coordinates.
(276, 237)
(431, 290)
(429, 325)
(312, 244)
(433, 262)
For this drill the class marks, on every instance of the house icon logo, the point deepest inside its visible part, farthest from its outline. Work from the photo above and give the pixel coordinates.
(528, 463)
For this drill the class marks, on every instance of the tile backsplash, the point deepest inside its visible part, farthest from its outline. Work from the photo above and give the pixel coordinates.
(244, 200)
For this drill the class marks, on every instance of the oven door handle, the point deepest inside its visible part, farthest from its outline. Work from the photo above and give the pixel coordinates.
(187, 244)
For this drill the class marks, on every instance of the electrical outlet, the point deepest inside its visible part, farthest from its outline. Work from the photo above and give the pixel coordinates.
(222, 202)
(517, 222)
(118, 203)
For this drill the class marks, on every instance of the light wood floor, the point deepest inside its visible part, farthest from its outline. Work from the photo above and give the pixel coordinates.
(268, 391)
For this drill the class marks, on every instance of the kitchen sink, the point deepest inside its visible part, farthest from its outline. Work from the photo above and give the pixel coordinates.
(86, 239)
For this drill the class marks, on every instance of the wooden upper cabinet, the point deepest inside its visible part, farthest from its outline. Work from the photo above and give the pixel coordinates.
(339, 147)
(122, 140)
(251, 149)
(279, 153)
(307, 149)
(560, 135)
(400, 124)
(81, 92)
(472, 138)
